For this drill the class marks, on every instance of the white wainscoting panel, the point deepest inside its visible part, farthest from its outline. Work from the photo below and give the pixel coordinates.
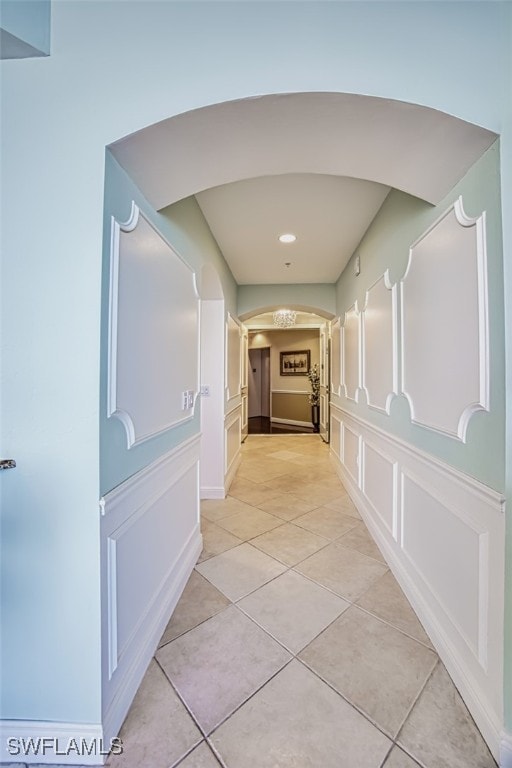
(350, 441)
(153, 331)
(442, 533)
(351, 341)
(233, 359)
(380, 485)
(454, 575)
(232, 443)
(445, 359)
(150, 541)
(336, 356)
(336, 436)
(379, 343)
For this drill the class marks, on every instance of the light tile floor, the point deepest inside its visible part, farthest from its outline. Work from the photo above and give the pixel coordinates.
(293, 645)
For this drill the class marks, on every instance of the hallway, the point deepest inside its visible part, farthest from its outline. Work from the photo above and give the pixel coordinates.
(292, 644)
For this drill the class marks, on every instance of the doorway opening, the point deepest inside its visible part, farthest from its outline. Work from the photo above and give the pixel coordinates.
(279, 361)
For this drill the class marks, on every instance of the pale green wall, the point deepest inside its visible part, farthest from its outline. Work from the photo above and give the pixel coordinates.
(400, 221)
(506, 193)
(115, 68)
(28, 21)
(184, 227)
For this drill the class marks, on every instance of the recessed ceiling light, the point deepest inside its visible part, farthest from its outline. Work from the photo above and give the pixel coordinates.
(288, 238)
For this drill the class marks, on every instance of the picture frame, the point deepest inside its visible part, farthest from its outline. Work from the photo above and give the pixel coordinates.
(295, 363)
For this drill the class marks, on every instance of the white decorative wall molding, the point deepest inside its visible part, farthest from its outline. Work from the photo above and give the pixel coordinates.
(444, 339)
(506, 750)
(47, 743)
(153, 332)
(379, 483)
(232, 443)
(233, 358)
(379, 344)
(336, 436)
(442, 534)
(336, 356)
(156, 511)
(351, 356)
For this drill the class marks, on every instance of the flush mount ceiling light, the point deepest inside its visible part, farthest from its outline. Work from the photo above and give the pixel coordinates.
(287, 238)
(284, 318)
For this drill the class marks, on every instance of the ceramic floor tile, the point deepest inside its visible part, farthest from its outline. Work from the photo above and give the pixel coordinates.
(289, 543)
(216, 540)
(293, 609)
(216, 509)
(398, 759)
(318, 494)
(343, 504)
(345, 571)
(440, 732)
(296, 721)
(361, 540)
(240, 570)
(200, 757)
(386, 600)
(283, 455)
(158, 730)
(219, 664)
(287, 506)
(251, 492)
(200, 601)
(249, 523)
(374, 666)
(326, 522)
(284, 484)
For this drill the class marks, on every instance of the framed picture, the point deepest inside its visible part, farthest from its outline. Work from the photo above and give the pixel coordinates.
(295, 363)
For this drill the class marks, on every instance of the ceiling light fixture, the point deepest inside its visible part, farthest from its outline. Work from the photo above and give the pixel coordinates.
(287, 238)
(284, 318)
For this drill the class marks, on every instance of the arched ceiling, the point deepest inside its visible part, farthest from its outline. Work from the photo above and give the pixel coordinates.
(328, 215)
(316, 164)
(413, 148)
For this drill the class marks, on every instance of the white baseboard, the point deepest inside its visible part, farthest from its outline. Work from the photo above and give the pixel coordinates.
(292, 422)
(44, 743)
(506, 750)
(212, 493)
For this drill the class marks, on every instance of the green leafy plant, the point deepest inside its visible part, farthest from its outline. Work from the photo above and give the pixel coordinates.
(314, 380)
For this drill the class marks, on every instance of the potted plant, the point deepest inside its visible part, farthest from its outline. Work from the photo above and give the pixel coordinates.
(314, 397)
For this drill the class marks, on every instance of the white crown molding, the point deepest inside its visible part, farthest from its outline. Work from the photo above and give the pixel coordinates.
(483, 403)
